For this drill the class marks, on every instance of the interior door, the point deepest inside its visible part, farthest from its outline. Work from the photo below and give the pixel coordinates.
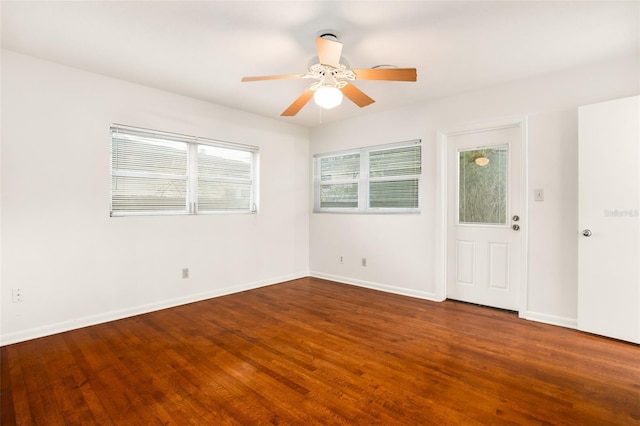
(609, 237)
(484, 217)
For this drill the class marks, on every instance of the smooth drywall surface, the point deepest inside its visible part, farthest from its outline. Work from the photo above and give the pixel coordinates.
(553, 225)
(74, 264)
(403, 252)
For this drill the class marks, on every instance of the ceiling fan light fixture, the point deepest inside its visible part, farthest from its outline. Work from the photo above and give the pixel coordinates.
(327, 97)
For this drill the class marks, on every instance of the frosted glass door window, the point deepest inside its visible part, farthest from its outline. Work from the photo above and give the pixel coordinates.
(482, 186)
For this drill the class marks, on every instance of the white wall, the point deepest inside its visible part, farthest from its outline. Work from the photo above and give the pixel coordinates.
(402, 250)
(75, 264)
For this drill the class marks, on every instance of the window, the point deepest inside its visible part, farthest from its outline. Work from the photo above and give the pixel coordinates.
(380, 179)
(482, 187)
(163, 173)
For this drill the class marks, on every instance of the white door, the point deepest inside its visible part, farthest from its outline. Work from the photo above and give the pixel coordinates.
(609, 235)
(484, 217)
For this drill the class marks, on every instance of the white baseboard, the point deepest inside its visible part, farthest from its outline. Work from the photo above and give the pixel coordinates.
(61, 327)
(528, 315)
(550, 319)
(378, 286)
(73, 324)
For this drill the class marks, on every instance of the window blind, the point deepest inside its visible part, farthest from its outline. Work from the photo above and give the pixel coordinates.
(224, 179)
(338, 176)
(374, 179)
(149, 172)
(394, 175)
(164, 173)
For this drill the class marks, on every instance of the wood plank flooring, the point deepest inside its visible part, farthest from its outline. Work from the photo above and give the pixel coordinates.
(311, 352)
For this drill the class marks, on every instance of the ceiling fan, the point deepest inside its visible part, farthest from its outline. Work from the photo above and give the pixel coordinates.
(334, 79)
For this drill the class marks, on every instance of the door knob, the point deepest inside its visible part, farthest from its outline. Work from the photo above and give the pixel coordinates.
(586, 232)
(516, 227)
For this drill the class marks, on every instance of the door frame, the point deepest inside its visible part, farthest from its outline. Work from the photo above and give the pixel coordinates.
(442, 223)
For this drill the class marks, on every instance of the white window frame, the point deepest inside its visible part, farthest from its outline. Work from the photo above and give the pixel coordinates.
(191, 193)
(363, 181)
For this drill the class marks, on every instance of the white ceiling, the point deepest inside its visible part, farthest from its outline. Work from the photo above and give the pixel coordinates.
(202, 49)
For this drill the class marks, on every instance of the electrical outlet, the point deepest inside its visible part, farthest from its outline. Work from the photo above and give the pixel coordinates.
(185, 273)
(17, 294)
(364, 261)
(341, 259)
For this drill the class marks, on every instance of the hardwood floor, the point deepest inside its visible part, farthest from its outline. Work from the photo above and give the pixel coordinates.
(311, 351)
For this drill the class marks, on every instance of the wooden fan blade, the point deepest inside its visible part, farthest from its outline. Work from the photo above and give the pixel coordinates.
(298, 103)
(356, 95)
(391, 74)
(329, 51)
(272, 77)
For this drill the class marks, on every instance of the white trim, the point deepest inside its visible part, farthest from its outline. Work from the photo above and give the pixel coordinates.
(369, 148)
(441, 201)
(524, 190)
(550, 319)
(378, 286)
(73, 324)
